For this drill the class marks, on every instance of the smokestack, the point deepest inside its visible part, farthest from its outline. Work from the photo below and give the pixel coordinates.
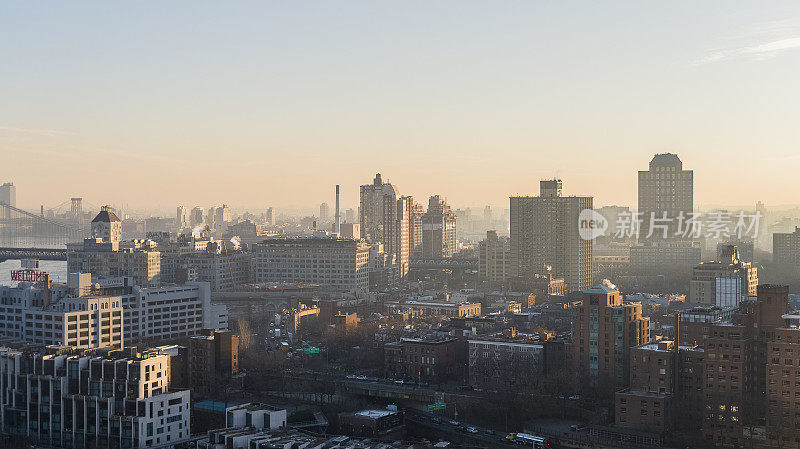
(336, 222)
(46, 291)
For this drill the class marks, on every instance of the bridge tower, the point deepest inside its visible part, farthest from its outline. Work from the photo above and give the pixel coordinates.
(76, 209)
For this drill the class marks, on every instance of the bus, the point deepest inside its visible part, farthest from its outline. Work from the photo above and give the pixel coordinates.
(532, 441)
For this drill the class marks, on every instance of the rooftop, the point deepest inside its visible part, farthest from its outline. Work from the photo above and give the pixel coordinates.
(603, 288)
(374, 414)
(106, 216)
(666, 159)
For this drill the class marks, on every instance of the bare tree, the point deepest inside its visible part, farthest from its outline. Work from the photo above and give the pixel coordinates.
(245, 335)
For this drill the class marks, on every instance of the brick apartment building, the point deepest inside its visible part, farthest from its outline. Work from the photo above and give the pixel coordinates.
(425, 360)
(659, 399)
(212, 359)
(741, 383)
(783, 384)
(604, 330)
(648, 402)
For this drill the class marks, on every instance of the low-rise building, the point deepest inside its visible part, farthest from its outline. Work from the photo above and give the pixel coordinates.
(432, 307)
(250, 437)
(255, 415)
(350, 231)
(505, 364)
(723, 283)
(382, 425)
(424, 360)
(542, 285)
(525, 299)
(654, 257)
(344, 321)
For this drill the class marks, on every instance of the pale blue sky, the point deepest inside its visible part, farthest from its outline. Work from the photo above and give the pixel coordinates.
(271, 103)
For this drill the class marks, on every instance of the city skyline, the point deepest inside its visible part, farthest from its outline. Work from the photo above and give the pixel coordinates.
(475, 106)
(460, 224)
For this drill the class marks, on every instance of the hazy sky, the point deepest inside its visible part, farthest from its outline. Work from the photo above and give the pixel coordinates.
(272, 103)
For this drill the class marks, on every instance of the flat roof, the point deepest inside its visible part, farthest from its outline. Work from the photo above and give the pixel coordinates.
(375, 414)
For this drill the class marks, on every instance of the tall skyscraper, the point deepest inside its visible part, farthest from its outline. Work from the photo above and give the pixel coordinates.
(665, 206)
(350, 216)
(211, 217)
(397, 241)
(324, 212)
(666, 190)
(415, 213)
(180, 218)
(270, 217)
(545, 236)
(438, 229)
(197, 216)
(222, 217)
(384, 219)
(373, 197)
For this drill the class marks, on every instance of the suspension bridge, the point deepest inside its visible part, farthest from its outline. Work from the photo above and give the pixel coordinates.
(24, 235)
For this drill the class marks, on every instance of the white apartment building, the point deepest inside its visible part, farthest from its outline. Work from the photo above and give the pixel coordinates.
(259, 416)
(335, 263)
(170, 312)
(85, 315)
(88, 400)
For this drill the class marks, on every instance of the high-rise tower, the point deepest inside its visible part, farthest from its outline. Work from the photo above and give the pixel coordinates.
(545, 236)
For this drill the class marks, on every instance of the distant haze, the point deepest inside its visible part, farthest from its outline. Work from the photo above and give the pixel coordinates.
(256, 104)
